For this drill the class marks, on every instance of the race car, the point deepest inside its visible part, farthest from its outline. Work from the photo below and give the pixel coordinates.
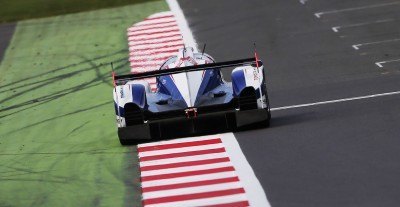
(191, 97)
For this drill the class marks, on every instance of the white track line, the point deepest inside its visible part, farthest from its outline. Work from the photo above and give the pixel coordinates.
(357, 46)
(336, 28)
(254, 190)
(336, 101)
(303, 1)
(182, 23)
(380, 64)
(319, 14)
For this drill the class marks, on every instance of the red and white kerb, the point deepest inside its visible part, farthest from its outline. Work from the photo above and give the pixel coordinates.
(189, 172)
(152, 41)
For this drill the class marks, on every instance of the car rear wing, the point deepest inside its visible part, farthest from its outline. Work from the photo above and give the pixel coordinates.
(124, 78)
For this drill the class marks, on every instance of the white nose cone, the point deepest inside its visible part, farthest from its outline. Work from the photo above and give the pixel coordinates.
(188, 84)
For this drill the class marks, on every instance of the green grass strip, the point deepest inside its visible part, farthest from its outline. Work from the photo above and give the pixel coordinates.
(15, 10)
(58, 141)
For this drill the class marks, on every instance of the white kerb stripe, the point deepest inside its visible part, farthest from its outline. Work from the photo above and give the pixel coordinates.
(183, 25)
(182, 159)
(186, 169)
(167, 29)
(204, 201)
(165, 55)
(182, 149)
(158, 51)
(191, 190)
(162, 35)
(141, 56)
(155, 41)
(180, 141)
(187, 179)
(152, 47)
(145, 27)
(146, 62)
(161, 14)
(155, 21)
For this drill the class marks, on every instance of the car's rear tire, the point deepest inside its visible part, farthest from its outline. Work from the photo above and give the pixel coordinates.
(125, 142)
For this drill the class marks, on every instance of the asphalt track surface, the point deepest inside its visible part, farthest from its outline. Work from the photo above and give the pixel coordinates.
(6, 33)
(339, 154)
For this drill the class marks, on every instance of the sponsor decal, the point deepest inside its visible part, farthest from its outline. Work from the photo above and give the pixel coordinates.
(255, 74)
(121, 91)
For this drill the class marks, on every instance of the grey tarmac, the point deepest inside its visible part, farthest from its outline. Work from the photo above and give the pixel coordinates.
(342, 154)
(6, 33)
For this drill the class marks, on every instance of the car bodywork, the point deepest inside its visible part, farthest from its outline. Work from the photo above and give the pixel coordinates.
(191, 98)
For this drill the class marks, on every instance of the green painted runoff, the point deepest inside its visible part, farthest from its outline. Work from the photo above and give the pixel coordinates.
(58, 141)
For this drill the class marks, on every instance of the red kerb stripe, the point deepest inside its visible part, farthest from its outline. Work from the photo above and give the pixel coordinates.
(182, 154)
(151, 33)
(185, 164)
(185, 174)
(190, 184)
(180, 145)
(151, 24)
(153, 38)
(193, 196)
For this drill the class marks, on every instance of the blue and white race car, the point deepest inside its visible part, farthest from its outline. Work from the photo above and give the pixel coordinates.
(191, 98)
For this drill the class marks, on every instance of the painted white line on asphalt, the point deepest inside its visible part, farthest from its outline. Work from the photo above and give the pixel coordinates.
(336, 101)
(303, 1)
(380, 64)
(336, 29)
(251, 184)
(319, 14)
(357, 46)
(182, 23)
